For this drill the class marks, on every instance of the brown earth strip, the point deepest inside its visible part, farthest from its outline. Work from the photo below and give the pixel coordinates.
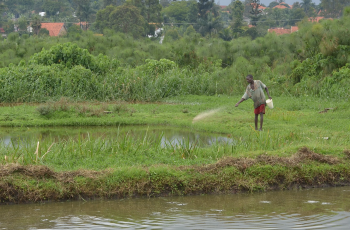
(32, 183)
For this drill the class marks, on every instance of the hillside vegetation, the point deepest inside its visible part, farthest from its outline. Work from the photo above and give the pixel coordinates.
(313, 61)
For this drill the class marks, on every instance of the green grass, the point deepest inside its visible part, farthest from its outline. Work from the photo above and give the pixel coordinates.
(292, 124)
(83, 167)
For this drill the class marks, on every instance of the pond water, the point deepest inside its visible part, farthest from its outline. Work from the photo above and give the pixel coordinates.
(168, 135)
(327, 208)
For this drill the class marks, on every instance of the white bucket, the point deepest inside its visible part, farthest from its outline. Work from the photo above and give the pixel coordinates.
(269, 103)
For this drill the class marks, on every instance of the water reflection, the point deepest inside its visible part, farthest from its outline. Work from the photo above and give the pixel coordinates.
(272, 210)
(166, 135)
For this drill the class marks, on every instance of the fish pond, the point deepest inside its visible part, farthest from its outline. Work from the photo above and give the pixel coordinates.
(327, 208)
(164, 135)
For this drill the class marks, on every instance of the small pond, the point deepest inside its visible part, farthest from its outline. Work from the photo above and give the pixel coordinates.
(167, 135)
(327, 208)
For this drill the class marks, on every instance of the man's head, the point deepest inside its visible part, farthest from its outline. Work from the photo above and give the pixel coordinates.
(249, 78)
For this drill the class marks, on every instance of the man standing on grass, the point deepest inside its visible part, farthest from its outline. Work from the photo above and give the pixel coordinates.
(255, 91)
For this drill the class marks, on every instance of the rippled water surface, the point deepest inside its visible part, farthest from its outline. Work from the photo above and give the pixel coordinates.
(327, 208)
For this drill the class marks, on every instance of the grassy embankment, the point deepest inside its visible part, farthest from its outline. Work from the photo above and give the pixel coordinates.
(121, 166)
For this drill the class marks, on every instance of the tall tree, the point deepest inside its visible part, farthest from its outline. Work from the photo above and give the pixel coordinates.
(8, 26)
(127, 19)
(237, 16)
(151, 12)
(177, 11)
(84, 11)
(22, 24)
(208, 20)
(36, 24)
(165, 3)
(209, 25)
(204, 7)
(113, 2)
(297, 14)
(2, 7)
(102, 18)
(308, 6)
(255, 12)
(333, 8)
(51, 7)
(193, 11)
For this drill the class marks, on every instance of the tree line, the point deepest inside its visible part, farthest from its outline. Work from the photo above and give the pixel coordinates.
(141, 18)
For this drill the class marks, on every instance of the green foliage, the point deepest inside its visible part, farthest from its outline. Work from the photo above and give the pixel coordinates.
(44, 32)
(8, 26)
(237, 16)
(150, 82)
(300, 61)
(70, 55)
(126, 18)
(171, 35)
(36, 24)
(190, 31)
(151, 12)
(74, 30)
(346, 12)
(226, 34)
(22, 24)
(44, 110)
(157, 67)
(337, 84)
(333, 8)
(51, 7)
(84, 10)
(177, 12)
(102, 18)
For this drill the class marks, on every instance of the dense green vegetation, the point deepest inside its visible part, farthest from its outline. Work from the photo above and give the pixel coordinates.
(312, 61)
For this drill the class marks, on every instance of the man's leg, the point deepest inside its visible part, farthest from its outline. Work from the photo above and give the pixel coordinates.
(256, 121)
(261, 120)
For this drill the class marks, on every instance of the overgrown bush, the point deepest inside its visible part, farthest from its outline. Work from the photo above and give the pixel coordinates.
(157, 67)
(69, 55)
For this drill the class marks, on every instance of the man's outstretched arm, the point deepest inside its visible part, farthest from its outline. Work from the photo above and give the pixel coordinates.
(268, 94)
(242, 99)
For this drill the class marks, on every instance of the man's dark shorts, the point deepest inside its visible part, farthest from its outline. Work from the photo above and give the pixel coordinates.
(260, 109)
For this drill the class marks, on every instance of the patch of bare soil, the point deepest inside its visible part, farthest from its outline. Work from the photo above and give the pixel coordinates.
(347, 153)
(302, 156)
(41, 171)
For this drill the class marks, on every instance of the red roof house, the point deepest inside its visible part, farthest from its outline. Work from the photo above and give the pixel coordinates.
(280, 7)
(260, 7)
(294, 29)
(280, 31)
(55, 29)
(2, 30)
(317, 19)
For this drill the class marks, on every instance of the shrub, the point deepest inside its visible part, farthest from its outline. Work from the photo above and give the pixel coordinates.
(44, 110)
(157, 67)
(69, 55)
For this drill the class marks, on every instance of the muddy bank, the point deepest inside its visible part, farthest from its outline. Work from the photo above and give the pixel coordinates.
(36, 183)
